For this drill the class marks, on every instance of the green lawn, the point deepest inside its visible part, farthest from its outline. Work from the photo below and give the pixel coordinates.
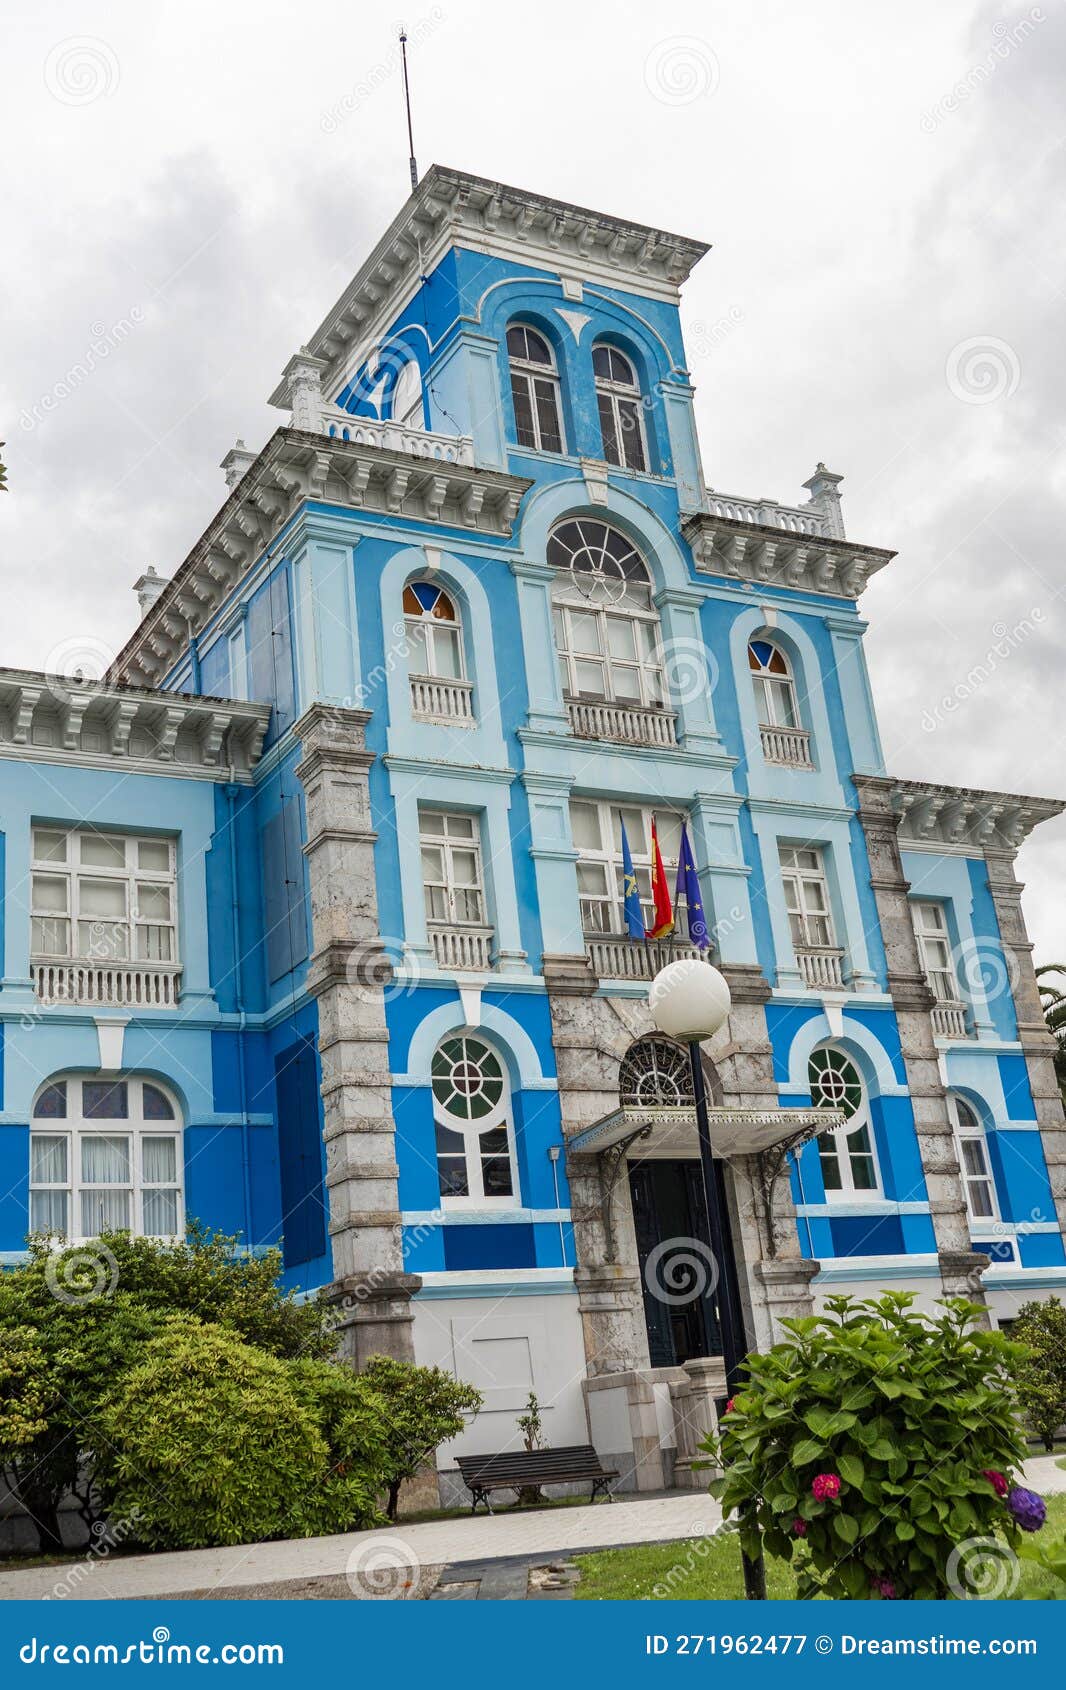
(708, 1569)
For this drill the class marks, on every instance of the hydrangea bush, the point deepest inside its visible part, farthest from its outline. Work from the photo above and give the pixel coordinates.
(874, 1442)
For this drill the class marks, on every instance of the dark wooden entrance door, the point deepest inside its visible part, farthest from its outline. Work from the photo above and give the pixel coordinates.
(677, 1270)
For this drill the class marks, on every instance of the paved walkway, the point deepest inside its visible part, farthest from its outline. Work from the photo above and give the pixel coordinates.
(404, 1560)
(400, 1560)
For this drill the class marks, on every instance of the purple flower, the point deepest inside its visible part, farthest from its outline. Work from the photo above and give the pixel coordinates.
(885, 1588)
(799, 1527)
(1029, 1510)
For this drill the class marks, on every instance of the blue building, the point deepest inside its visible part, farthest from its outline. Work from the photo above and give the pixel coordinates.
(312, 912)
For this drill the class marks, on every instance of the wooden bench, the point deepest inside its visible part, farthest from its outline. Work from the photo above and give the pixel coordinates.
(517, 1469)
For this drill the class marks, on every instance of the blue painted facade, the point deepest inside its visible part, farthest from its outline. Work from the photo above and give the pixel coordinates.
(314, 615)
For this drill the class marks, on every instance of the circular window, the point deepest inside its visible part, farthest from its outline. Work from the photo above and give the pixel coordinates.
(603, 563)
(655, 1073)
(467, 1079)
(835, 1082)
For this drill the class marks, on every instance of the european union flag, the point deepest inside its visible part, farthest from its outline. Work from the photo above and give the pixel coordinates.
(688, 887)
(630, 896)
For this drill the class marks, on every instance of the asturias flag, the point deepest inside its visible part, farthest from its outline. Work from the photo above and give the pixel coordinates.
(630, 896)
(688, 887)
(663, 916)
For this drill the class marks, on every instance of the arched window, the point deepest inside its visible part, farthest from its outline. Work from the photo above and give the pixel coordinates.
(433, 630)
(606, 627)
(407, 407)
(106, 1156)
(534, 390)
(618, 399)
(775, 689)
(977, 1181)
(471, 1112)
(655, 1073)
(849, 1162)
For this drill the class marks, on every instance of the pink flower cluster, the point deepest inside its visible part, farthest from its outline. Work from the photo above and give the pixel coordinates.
(825, 1487)
(799, 1528)
(884, 1588)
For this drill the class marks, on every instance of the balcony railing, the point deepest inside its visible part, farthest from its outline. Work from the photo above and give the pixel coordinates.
(614, 957)
(137, 985)
(629, 724)
(822, 968)
(461, 947)
(451, 702)
(949, 1020)
(794, 519)
(786, 745)
(393, 437)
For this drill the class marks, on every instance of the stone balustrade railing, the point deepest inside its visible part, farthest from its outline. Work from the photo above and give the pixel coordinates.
(949, 1020)
(137, 985)
(393, 437)
(822, 968)
(624, 723)
(461, 947)
(434, 700)
(787, 745)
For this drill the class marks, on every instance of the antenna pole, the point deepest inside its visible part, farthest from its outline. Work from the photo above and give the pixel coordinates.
(407, 102)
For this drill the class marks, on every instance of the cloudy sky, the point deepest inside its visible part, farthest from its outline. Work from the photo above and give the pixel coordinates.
(189, 186)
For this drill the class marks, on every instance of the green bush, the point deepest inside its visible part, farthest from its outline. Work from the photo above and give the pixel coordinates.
(208, 1440)
(1041, 1328)
(861, 1446)
(425, 1407)
(92, 1309)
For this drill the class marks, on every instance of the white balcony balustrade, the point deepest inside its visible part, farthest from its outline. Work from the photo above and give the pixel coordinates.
(822, 968)
(794, 519)
(449, 702)
(949, 1020)
(787, 745)
(137, 985)
(628, 724)
(458, 948)
(393, 437)
(612, 956)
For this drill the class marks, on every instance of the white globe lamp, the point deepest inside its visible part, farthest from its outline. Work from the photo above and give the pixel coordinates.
(689, 1000)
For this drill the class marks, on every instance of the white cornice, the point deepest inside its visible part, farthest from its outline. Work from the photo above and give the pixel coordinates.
(294, 467)
(958, 820)
(100, 724)
(451, 207)
(766, 556)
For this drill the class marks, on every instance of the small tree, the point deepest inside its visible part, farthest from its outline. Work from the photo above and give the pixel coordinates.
(871, 1443)
(1041, 1327)
(424, 1406)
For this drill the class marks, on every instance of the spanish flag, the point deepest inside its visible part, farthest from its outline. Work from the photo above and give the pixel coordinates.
(663, 911)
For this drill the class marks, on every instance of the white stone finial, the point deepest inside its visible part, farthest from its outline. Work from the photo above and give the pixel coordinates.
(148, 588)
(303, 378)
(824, 489)
(237, 460)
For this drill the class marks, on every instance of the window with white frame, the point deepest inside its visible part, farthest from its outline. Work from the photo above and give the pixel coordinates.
(848, 1158)
(434, 632)
(451, 868)
(972, 1147)
(474, 1137)
(407, 408)
(774, 686)
(103, 897)
(618, 399)
(597, 834)
(237, 649)
(106, 1156)
(606, 626)
(534, 390)
(807, 897)
(934, 948)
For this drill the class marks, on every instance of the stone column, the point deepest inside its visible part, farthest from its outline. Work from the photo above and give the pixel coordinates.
(696, 1418)
(347, 974)
(960, 1265)
(1037, 1043)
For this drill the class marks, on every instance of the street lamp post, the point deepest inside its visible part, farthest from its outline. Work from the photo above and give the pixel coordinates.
(689, 1001)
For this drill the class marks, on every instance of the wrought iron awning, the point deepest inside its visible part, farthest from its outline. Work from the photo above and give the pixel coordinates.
(734, 1132)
